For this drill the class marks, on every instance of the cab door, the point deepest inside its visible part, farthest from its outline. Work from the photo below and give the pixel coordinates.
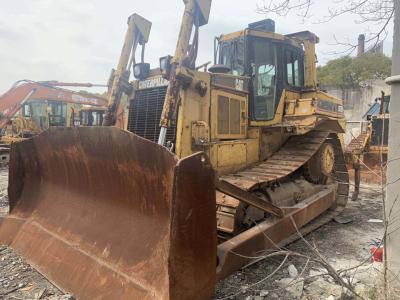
(265, 76)
(57, 113)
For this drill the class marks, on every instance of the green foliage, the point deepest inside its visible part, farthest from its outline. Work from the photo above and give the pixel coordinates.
(351, 71)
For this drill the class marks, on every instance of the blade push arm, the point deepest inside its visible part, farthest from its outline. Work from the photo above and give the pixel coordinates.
(196, 14)
(138, 33)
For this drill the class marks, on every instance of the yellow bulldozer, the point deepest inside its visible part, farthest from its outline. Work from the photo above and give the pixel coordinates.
(213, 170)
(367, 152)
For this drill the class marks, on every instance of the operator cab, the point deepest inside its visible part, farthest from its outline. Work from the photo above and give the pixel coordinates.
(273, 63)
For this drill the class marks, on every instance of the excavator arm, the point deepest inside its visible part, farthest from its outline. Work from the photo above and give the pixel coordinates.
(137, 33)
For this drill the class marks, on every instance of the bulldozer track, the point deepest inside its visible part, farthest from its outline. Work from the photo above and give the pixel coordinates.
(357, 144)
(290, 158)
(341, 176)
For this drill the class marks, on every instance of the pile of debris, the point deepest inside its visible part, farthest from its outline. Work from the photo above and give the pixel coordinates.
(317, 283)
(18, 280)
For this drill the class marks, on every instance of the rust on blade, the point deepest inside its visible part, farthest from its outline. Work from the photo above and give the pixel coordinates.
(106, 214)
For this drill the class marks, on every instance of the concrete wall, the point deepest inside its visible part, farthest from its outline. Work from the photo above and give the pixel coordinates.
(357, 101)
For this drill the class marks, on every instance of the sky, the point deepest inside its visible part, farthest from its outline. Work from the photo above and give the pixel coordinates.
(80, 41)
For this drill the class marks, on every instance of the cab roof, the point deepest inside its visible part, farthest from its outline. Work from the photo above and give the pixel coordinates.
(295, 39)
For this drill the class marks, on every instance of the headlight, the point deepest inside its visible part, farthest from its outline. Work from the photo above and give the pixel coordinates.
(165, 65)
(141, 71)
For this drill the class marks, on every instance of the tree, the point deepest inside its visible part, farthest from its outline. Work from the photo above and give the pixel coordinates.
(378, 13)
(349, 71)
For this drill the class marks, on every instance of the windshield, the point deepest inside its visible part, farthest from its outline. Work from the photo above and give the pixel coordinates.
(91, 118)
(232, 55)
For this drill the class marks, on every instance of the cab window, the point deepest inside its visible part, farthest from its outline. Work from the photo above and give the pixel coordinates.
(232, 55)
(294, 68)
(225, 57)
(26, 110)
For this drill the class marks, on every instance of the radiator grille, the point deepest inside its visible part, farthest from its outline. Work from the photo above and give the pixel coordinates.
(230, 115)
(145, 112)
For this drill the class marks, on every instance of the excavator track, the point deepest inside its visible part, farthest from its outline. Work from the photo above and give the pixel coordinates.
(294, 154)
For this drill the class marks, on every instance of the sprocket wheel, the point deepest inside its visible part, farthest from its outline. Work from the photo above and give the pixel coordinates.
(319, 168)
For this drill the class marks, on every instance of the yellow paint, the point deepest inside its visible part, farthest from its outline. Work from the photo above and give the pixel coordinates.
(231, 154)
(214, 115)
(198, 120)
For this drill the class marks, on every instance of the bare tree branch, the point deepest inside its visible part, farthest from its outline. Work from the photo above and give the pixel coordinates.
(378, 13)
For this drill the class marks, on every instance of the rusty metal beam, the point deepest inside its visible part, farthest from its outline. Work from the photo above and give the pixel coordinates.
(248, 198)
(234, 253)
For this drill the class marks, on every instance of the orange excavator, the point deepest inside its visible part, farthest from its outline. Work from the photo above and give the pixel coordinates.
(211, 171)
(29, 108)
(26, 92)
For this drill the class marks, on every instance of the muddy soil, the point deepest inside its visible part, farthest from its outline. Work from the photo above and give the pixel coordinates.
(341, 244)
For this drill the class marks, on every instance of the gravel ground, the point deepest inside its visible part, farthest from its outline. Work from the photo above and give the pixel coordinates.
(18, 280)
(342, 245)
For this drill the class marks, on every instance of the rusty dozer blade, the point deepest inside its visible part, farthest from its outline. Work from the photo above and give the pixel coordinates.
(105, 214)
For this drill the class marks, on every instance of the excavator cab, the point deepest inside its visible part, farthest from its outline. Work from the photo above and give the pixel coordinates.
(89, 116)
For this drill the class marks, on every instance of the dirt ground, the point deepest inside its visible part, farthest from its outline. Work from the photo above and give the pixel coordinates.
(343, 244)
(19, 280)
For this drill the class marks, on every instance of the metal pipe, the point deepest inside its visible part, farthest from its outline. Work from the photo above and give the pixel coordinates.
(392, 203)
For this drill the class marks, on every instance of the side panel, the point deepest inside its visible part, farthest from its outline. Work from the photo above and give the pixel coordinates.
(231, 156)
(193, 108)
(228, 154)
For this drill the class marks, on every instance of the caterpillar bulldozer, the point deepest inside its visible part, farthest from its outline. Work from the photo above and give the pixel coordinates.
(213, 169)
